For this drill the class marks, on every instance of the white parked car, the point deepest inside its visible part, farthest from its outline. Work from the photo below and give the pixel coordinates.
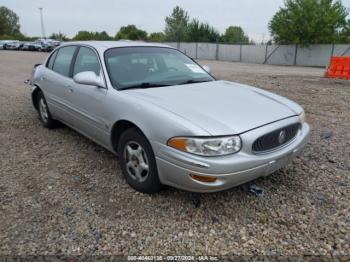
(9, 44)
(15, 45)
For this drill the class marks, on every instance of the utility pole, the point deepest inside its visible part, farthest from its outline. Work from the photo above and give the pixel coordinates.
(42, 23)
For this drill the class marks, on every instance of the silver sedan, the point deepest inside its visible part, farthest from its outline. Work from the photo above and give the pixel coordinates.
(166, 117)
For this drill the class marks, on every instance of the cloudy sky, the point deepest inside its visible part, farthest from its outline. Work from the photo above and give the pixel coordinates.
(70, 16)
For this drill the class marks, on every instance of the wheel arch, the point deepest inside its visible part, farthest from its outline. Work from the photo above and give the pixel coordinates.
(117, 130)
(35, 93)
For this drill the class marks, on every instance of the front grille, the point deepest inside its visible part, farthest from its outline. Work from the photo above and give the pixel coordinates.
(276, 138)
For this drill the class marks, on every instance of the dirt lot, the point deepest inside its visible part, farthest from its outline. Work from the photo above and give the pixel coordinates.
(62, 194)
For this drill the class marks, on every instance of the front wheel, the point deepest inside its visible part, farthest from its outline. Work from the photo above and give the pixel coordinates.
(137, 162)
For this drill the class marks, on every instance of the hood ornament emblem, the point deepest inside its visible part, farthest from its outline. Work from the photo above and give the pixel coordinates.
(282, 137)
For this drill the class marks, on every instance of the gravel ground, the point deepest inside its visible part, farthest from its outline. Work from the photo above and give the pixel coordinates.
(62, 194)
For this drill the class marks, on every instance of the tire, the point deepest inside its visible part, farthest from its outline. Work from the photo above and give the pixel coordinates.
(44, 113)
(137, 162)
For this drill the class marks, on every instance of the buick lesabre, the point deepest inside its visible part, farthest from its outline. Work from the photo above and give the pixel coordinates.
(169, 121)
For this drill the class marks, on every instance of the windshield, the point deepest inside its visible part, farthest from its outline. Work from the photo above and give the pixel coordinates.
(144, 67)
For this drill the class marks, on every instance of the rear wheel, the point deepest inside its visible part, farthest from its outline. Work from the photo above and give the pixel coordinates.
(138, 162)
(44, 113)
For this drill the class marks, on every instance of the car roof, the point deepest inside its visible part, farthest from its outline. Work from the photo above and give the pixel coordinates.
(104, 45)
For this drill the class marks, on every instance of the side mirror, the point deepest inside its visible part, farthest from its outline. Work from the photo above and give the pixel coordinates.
(206, 68)
(89, 78)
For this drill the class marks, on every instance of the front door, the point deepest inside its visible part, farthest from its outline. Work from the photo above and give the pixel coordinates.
(89, 101)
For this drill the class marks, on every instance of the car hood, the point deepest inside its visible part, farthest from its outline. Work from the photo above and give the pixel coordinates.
(220, 107)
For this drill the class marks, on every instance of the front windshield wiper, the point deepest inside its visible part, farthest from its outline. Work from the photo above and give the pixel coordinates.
(192, 81)
(143, 85)
(151, 85)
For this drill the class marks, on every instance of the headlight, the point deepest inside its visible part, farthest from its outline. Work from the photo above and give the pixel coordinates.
(302, 117)
(217, 146)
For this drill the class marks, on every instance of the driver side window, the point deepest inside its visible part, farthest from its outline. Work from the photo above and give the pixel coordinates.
(86, 60)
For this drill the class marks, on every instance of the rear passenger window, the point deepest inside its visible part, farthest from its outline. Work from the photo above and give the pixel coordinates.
(63, 60)
(86, 61)
(52, 59)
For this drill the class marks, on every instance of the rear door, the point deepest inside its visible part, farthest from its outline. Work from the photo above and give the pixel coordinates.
(57, 83)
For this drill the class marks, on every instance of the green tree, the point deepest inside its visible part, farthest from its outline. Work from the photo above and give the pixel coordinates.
(131, 32)
(103, 36)
(344, 35)
(200, 32)
(176, 25)
(234, 34)
(84, 36)
(156, 37)
(309, 22)
(59, 36)
(9, 23)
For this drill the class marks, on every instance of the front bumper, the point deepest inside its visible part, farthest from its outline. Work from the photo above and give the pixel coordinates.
(175, 166)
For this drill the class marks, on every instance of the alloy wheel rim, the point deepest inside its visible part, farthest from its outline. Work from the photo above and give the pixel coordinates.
(43, 110)
(136, 161)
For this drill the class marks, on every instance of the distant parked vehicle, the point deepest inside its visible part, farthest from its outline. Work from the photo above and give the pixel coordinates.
(7, 44)
(33, 46)
(56, 43)
(15, 45)
(48, 44)
(45, 45)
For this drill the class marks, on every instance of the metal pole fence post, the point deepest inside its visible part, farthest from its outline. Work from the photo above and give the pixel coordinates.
(196, 50)
(240, 52)
(265, 54)
(331, 55)
(332, 50)
(217, 50)
(295, 54)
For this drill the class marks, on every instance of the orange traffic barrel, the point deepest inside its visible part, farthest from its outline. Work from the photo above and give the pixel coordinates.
(339, 67)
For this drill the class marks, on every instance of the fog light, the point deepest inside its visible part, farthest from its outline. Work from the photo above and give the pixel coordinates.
(205, 179)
